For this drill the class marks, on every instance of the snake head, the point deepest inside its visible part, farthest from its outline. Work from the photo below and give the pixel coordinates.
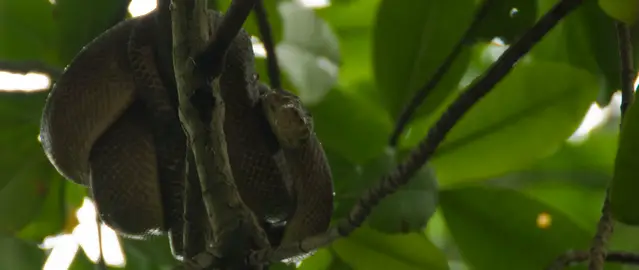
(287, 117)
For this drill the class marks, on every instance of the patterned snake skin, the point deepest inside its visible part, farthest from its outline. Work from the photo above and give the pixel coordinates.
(110, 123)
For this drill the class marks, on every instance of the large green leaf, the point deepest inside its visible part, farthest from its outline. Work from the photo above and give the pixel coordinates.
(626, 11)
(25, 173)
(526, 117)
(624, 185)
(23, 197)
(19, 254)
(586, 39)
(52, 216)
(498, 229)
(353, 14)
(582, 204)
(411, 40)
(81, 21)
(351, 125)
(20, 113)
(353, 24)
(370, 250)
(587, 164)
(27, 31)
(308, 53)
(595, 155)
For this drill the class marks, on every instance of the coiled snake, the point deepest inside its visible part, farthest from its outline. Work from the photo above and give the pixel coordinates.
(110, 123)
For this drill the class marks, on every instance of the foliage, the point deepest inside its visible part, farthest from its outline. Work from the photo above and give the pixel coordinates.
(503, 168)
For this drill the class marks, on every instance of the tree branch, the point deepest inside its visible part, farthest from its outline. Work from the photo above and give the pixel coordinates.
(570, 258)
(24, 67)
(628, 73)
(269, 45)
(605, 225)
(421, 95)
(211, 59)
(235, 229)
(418, 157)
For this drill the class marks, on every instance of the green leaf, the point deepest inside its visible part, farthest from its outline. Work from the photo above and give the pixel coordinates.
(321, 260)
(81, 262)
(19, 254)
(354, 14)
(151, 254)
(281, 266)
(81, 21)
(52, 216)
(368, 249)
(27, 31)
(308, 53)
(527, 116)
(624, 184)
(411, 40)
(587, 164)
(351, 126)
(586, 39)
(580, 203)
(626, 11)
(497, 229)
(20, 112)
(625, 238)
(27, 189)
(408, 209)
(25, 173)
(353, 24)
(595, 155)
(355, 46)
(507, 19)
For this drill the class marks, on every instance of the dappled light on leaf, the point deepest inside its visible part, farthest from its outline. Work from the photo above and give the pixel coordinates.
(544, 220)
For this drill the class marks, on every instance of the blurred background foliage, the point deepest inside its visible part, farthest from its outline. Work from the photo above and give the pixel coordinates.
(512, 187)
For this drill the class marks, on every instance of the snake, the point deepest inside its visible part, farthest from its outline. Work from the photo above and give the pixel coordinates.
(110, 123)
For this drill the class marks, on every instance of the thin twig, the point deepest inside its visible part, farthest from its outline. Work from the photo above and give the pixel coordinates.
(574, 257)
(418, 157)
(269, 45)
(24, 67)
(605, 225)
(420, 95)
(600, 240)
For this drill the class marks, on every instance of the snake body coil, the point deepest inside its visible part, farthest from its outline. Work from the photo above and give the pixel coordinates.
(110, 123)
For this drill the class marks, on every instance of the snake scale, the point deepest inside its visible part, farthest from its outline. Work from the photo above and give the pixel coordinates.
(110, 123)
